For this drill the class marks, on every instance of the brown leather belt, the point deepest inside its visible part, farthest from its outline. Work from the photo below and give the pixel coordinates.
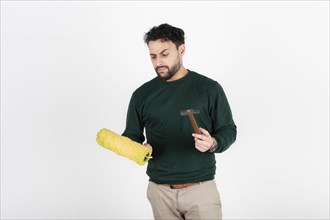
(180, 186)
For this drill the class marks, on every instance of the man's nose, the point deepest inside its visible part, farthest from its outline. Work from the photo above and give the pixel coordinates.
(159, 62)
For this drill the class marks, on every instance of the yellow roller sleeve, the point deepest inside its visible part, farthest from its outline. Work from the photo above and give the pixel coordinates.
(123, 146)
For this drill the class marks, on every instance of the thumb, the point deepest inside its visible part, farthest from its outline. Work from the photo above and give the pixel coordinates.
(148, 146)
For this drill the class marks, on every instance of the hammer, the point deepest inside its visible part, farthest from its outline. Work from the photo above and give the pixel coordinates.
(190, 113)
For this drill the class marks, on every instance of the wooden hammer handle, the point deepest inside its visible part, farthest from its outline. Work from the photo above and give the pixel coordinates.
(194, 123)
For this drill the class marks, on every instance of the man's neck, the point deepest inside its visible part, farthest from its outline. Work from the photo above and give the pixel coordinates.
(182, 72)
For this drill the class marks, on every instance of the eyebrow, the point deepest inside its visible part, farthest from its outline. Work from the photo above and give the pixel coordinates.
(160, 52)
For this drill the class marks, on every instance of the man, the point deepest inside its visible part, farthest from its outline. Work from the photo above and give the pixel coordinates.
(183, 166)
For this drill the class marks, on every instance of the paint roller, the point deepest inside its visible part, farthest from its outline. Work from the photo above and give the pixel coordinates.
(124, 146)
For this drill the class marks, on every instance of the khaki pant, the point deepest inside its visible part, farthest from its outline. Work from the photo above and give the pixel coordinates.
(200, 201)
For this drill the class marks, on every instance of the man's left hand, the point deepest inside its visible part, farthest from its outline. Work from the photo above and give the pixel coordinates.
(203, 141)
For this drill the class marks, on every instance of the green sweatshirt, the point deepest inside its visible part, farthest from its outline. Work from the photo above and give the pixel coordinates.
(156, 106)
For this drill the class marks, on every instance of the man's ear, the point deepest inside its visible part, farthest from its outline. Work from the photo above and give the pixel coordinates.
(182, 49)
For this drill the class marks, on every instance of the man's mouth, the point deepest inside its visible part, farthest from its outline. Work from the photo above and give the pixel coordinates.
(161, 69)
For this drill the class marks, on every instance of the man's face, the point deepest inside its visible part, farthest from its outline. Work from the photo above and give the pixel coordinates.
(166, 58)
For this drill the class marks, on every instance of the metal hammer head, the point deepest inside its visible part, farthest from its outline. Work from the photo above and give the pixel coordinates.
(189, 111)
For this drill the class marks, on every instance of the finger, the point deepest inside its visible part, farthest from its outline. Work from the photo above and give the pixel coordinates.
(202, 142)
(197, 139)
(204, 132)
(202, 138)
(200, 148)
(199, 136)
(148, 146)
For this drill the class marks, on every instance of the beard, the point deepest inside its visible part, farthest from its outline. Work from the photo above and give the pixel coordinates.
(167, 73)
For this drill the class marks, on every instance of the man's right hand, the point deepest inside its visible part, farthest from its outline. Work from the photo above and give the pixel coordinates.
(148, 146)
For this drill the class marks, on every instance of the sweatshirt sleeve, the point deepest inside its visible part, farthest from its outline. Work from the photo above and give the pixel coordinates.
(224, 128)
(134, 123)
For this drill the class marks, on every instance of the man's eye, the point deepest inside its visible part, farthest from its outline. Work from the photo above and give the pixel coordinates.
(165, 54)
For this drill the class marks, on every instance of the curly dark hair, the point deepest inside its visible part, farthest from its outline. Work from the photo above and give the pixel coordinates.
(165, 32)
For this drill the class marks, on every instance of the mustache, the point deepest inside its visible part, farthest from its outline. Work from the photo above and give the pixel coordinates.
(162, 67)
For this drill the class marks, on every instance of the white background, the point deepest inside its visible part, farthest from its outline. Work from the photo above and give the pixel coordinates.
(68, 69)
